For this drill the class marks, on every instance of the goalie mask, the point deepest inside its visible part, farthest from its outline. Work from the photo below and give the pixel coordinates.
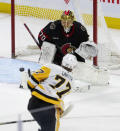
(69, 61)
(67, 19)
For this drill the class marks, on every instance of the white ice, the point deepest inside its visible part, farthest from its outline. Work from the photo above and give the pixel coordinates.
(97, 109)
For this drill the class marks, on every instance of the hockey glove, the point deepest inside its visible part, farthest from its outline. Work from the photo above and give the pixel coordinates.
(87, 50)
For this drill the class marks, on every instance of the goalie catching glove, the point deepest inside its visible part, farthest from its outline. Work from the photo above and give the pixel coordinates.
(87, 50)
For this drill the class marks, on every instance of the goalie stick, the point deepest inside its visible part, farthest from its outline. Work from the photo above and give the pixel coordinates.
(14, 122)
(31, 35)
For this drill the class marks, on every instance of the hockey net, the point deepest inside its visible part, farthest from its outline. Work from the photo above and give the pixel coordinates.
(36, 14)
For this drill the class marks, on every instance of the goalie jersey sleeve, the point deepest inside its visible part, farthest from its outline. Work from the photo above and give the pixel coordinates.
(50, 84)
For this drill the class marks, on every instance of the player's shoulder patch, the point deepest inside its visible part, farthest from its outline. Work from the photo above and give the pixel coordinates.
(39, 71)
(52, 26)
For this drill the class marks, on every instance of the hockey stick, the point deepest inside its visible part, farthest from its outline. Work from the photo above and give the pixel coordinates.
(31, 35)
(67, 110)
(14, 122)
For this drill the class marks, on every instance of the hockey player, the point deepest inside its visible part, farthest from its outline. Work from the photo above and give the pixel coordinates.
(48, 86)
(66, 34)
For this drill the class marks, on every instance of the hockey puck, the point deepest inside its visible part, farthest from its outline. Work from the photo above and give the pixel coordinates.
(21, 86)
(21, 69)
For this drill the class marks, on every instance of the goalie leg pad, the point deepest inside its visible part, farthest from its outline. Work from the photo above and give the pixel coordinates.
(48, 51)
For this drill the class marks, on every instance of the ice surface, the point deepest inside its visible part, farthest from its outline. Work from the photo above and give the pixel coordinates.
(97, 109)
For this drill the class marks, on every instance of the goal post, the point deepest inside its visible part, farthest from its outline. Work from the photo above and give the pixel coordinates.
(95, 28)
(12, 28)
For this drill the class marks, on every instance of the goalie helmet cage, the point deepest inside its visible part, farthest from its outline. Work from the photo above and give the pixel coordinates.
(88, 12)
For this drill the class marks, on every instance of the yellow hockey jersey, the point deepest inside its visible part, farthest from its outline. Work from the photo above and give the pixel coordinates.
(50, 83)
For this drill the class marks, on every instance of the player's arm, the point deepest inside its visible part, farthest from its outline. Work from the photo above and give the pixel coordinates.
(41, 37)
(44, 34)
(37, 77)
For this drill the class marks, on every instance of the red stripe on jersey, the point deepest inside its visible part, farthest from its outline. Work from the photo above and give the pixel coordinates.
(43, 34)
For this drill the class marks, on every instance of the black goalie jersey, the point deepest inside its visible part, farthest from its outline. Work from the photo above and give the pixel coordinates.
(65, 42)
